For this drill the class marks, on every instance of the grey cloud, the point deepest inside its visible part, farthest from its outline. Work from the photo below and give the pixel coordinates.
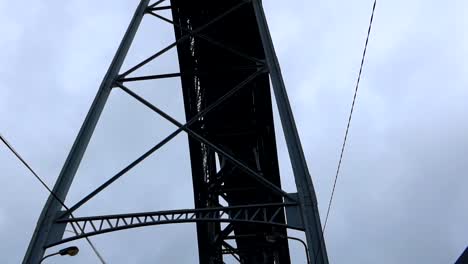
(401, 197)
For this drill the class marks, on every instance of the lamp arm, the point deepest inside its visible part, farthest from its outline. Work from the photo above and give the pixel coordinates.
(50, 255)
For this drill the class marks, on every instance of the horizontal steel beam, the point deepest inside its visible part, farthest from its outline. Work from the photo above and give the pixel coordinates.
(258, 214)
(221, 69)
(160, 8)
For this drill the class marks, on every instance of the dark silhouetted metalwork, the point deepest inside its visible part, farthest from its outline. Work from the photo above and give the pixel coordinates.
(227, 59)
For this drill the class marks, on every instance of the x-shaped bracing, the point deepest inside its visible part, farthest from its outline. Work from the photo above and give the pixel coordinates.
(121, 79)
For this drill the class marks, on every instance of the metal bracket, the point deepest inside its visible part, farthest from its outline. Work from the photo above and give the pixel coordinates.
(56, 231)
(293, 215)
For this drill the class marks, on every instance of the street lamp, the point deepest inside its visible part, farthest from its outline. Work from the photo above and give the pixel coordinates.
(70, 251)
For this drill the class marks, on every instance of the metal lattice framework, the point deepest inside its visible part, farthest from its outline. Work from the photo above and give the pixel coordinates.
(258, 209)
(256, 214)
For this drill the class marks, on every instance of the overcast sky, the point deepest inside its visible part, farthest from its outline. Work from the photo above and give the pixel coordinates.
(402, 195)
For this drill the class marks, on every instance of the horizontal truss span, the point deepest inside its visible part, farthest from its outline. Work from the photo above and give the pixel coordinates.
(258, 214)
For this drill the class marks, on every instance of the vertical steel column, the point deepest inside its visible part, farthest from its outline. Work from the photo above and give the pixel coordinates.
(44, 228)
(305, 188)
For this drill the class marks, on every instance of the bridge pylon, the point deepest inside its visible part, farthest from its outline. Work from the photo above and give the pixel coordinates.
(228, 68)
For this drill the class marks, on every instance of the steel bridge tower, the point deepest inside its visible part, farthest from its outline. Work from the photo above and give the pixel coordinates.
(227, 60)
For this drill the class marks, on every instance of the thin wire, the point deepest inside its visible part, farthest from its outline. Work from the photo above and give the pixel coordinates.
(10, 147)
(347, 129)
(31, 170)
